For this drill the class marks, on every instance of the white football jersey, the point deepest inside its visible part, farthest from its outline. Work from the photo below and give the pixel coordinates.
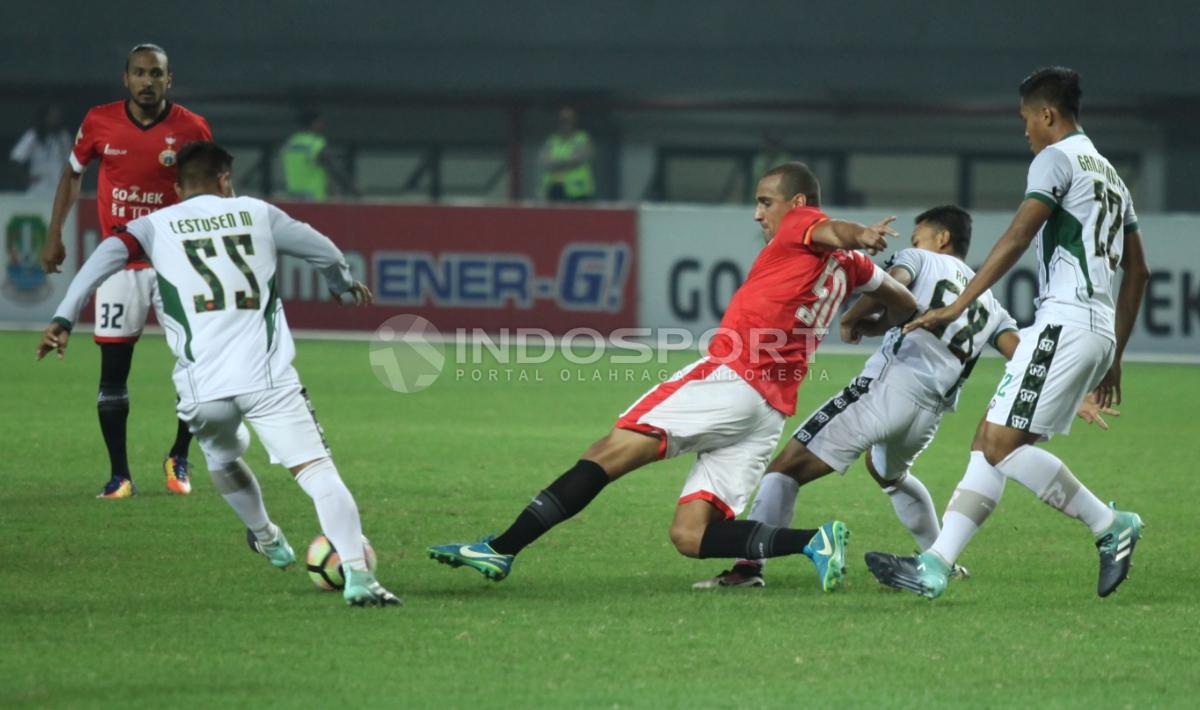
(216, 260)
(1080, 245)
(929, 366)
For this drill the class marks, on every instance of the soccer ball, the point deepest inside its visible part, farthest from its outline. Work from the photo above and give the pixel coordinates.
(325, 564)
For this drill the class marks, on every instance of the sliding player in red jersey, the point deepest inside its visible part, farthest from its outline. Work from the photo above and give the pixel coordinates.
(135, 141)
(729, 407)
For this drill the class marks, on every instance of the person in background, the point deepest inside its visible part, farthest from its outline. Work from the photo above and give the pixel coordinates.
(42, 151)
(308, 166)
(135, 141)
(566, 161)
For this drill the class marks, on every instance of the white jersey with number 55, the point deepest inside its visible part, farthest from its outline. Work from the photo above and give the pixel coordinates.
(1080, 245)
(931, 366)
(216, 260)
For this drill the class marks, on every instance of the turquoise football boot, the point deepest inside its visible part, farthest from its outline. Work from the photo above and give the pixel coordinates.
(1116, 549)
(827, 550)
(278, 552)
(362, 589)
(926, 574)
(477, 555)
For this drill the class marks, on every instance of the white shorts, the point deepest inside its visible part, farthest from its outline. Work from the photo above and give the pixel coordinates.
(866, 414)
(122, 302)
(283, 419)
(1053, 369)
(707, 409)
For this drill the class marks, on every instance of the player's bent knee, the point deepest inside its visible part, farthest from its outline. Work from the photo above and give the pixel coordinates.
(997, 442)
(686, 538)
(981, 433)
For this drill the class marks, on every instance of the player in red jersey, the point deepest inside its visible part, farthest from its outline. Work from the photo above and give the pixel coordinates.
(135, 141)
(729, 407)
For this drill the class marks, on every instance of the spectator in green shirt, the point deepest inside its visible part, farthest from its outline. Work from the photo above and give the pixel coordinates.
(566, 161)
(308, 166)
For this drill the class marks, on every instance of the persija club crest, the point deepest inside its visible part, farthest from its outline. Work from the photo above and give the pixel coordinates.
(167, 157)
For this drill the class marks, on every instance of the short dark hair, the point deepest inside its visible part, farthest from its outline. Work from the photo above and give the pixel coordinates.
(1056, 86)
(953, 219)
(147, 47)
(201, 162)
(796, 178)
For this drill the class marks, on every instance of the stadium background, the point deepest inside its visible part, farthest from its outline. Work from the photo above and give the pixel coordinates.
(440, 111)
(896, 111)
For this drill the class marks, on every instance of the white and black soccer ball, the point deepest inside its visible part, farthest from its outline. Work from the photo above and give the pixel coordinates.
(325, 564)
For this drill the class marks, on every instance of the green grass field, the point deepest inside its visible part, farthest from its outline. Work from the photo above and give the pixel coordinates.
(156, 601)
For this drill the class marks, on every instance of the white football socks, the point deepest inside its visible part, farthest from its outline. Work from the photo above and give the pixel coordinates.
(973, 501)
(238, 486)
(774, 504)
(336, 510)
(914, 508)
(1049, 478)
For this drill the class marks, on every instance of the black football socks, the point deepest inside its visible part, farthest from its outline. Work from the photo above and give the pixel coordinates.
(562, 499)
(751, 540)
(112, 403)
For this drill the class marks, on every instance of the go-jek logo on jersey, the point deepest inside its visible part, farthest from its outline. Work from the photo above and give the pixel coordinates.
(131, 203)
(135, 196)
(589, 277)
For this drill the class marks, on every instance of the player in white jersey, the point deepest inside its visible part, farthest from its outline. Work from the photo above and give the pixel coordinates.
(216, 257)
(894, 406)
(1082, 216)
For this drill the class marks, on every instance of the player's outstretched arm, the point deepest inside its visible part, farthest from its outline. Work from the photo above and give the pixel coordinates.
(896, 299)
(65, 198)
(1007, 342)
(862, 319)
(867, 317)
(54, 337)
(1030, 217)
(301, 240)
(1092, 412)
(840, 234)
(359, 295)
(108, 259)
(1129, 302)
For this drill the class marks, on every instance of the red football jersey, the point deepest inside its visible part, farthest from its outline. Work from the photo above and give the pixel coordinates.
(779, 315)
(137, 162)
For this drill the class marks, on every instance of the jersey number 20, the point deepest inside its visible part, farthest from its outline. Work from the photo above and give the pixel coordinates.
(199, 249)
